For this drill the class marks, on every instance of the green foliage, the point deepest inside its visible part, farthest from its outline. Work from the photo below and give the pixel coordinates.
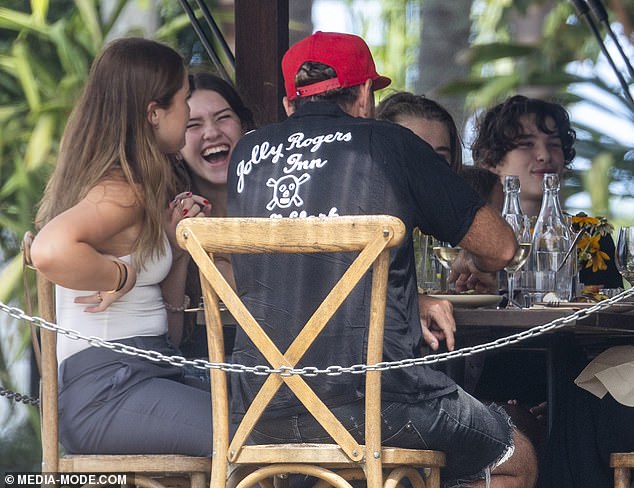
(45, 54)
(503, 66)
(18, 451)
(46, 49)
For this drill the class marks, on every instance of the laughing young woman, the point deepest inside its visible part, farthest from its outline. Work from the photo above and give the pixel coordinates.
(218, 119)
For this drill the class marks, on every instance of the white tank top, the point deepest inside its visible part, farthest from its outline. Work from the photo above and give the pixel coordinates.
(140, 312)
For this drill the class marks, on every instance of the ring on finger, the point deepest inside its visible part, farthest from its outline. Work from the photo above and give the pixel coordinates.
(99, 297)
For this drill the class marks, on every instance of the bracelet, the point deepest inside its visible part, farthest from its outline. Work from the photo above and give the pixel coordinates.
(116, 288)
(123, 277)
(171, 308)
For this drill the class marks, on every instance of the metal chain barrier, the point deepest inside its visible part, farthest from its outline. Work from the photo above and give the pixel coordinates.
(330, 370)
(17, 397)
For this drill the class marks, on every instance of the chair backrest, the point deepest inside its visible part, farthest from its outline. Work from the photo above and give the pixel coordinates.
(371, 236)
(48, 365)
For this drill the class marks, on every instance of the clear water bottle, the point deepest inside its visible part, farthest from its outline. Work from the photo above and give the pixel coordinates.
(551, 240)
(511, 209)
(512, 213)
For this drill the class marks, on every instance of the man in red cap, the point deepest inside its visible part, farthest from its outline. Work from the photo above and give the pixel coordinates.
(331, 158)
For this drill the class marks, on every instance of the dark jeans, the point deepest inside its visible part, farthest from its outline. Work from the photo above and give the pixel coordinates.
(472, 435)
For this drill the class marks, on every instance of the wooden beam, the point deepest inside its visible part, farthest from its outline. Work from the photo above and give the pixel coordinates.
(261, 41)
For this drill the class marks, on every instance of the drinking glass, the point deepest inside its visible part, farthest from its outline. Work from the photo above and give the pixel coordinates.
(428, 272)
(625, 253)
(445, 254)
(521, 227)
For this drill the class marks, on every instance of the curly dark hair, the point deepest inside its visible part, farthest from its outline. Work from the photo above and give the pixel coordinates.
(499, 129)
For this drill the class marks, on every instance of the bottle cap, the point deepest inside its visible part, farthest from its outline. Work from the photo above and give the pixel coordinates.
(511, 183)
(550, 181)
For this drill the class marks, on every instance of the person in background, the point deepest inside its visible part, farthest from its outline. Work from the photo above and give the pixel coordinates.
(486, 183)
(526, 137)
(433, 124)
(107, 239)
(529, 137)
(594, 418)
(428, 120)
(218, 119)
(364, 166)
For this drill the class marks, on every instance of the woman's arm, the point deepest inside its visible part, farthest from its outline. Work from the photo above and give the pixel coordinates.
(76, 248)
(183, 206)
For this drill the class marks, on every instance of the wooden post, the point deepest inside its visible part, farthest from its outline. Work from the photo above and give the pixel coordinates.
(261, 41)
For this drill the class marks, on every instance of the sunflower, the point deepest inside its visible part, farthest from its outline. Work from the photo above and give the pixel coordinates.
(589, 253)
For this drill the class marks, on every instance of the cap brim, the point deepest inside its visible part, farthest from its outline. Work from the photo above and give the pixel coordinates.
(380, 82)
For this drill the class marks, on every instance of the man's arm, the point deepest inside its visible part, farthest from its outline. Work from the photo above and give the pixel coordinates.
(488, 245)
(490, 240)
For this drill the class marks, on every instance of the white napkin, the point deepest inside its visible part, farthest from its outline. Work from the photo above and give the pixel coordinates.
(611, 371)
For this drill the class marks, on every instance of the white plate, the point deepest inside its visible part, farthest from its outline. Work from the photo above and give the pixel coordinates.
(471, 301)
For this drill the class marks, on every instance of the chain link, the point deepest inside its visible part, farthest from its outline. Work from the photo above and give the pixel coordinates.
(330, 370)
(12, 395)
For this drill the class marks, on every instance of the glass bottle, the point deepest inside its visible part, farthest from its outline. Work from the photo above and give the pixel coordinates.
(511, 209)
(512, 213)
(551, 240)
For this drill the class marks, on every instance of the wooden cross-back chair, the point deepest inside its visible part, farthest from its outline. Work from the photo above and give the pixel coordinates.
(148, 470)
(623, 464)
(236, 463)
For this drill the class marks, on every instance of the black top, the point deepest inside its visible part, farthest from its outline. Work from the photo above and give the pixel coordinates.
(609, 277)
(323, 162)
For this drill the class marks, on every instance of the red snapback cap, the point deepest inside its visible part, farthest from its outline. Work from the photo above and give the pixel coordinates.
(347, 54)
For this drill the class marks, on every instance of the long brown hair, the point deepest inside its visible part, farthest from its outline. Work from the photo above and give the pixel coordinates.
(108, 135)
(405, 103)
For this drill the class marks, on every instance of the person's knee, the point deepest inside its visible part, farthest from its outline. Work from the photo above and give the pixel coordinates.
(524, 460)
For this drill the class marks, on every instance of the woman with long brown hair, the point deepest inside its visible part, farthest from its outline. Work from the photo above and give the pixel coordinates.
(106, 239)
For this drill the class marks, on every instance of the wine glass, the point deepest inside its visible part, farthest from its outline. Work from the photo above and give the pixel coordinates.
(522, 229)
(446, 254)
(427, 269)
(625, 253)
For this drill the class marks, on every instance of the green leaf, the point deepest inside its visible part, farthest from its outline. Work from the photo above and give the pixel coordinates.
(24, 73)
(8, 112)
(72, 58)
(40, 142)
(596, 182)
(482, 53)
(40, 10)
(90, 20)
(10, 277)
(18, 21)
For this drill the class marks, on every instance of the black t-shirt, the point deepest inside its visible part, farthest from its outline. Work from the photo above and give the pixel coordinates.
(323, 162)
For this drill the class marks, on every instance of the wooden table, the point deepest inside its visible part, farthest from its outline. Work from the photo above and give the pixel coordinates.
(597, 331)
(618, 319)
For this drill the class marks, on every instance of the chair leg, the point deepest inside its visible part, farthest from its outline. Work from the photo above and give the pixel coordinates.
(146, 482)
(198, 480)
(433, 480)
(393, 480)
(622, 477)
